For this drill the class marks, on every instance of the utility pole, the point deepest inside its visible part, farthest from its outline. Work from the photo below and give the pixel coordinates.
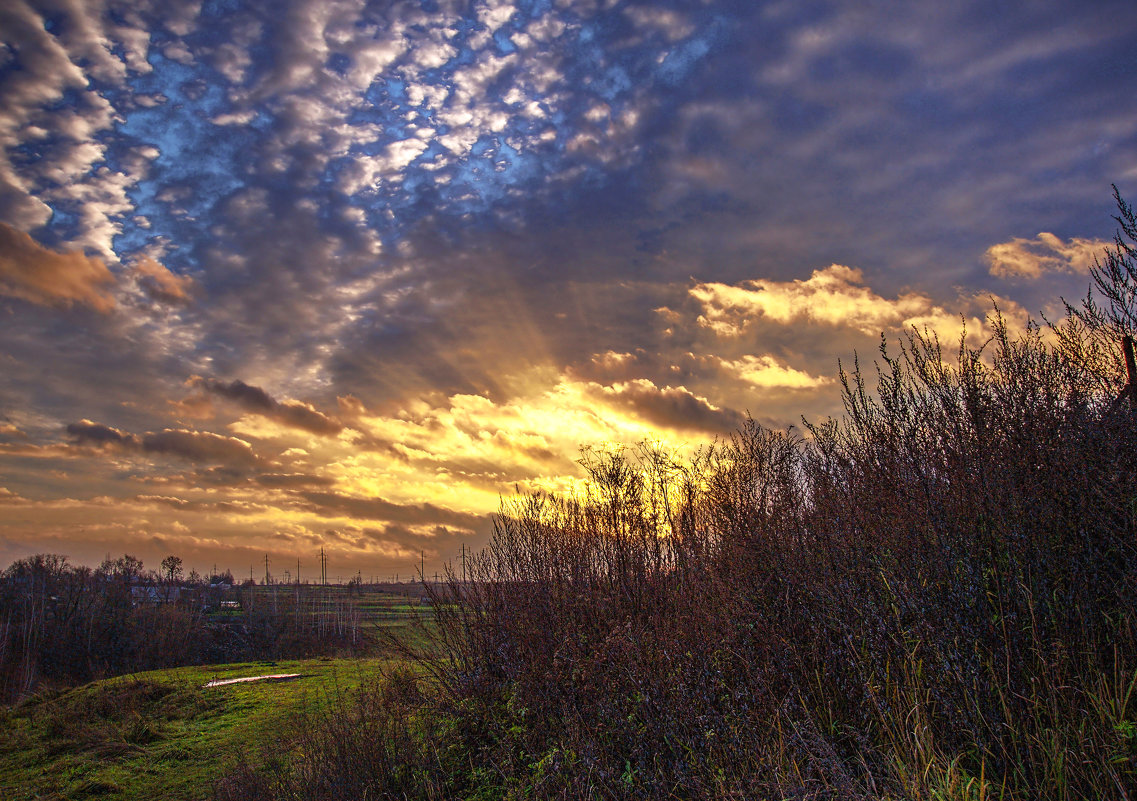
(298, 571)
(266, 570)
(1130, 370)
(463, 563)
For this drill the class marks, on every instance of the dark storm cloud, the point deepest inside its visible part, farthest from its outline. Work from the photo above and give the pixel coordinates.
(252, 398)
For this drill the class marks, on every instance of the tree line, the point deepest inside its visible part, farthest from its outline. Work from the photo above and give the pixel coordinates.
(64, 624)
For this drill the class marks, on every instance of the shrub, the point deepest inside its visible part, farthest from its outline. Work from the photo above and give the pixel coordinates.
(932, 597)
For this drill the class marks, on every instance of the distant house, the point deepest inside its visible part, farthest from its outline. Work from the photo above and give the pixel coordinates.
(155, 595)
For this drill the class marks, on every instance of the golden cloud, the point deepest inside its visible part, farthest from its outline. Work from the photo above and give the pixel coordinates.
(833, 296)
(392, 479)
(160, 284)
(463, 452)
(39, 275)
(838, 297)
(1046, 253)
(767, 372)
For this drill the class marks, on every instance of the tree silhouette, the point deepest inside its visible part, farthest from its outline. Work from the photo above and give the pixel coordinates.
(172, 568)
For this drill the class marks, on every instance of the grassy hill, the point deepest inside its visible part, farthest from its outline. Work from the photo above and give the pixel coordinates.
(161, 734)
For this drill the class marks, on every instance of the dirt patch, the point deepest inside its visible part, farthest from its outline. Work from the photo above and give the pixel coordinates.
(274, 677)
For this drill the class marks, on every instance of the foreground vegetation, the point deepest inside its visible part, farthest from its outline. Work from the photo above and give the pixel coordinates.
(934, 597)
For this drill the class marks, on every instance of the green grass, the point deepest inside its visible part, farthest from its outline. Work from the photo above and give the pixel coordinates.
(377, 608)
(160, 734)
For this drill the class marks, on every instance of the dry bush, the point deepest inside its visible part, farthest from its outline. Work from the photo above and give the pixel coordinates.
(932, 597)
(365, 745)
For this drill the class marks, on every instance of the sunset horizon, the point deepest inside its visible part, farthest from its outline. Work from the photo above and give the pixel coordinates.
(345, 275)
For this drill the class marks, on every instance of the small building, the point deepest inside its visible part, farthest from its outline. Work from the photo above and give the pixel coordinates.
(155, 595)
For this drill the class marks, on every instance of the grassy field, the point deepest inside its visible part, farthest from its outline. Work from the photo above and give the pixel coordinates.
(376, 605)
(160, 734)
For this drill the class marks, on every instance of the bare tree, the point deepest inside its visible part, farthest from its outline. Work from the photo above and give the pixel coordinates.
(172, 568)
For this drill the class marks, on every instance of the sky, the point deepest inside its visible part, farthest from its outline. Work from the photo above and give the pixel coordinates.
(298, 274)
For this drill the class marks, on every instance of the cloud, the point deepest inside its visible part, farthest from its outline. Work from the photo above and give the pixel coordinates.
(293, 480)
(256, 400)
(9, 498)
(673, 407)
(87, 432)
(369, 172)
(31, 272)
(767, 372)
(835, 296)
(1046, 253)
(337, 504)
(486, 202)
(667, 21)
(46, 73)
(199, 446)
(50, 105)
(495, 13)
(160, 283)
(195, 446)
